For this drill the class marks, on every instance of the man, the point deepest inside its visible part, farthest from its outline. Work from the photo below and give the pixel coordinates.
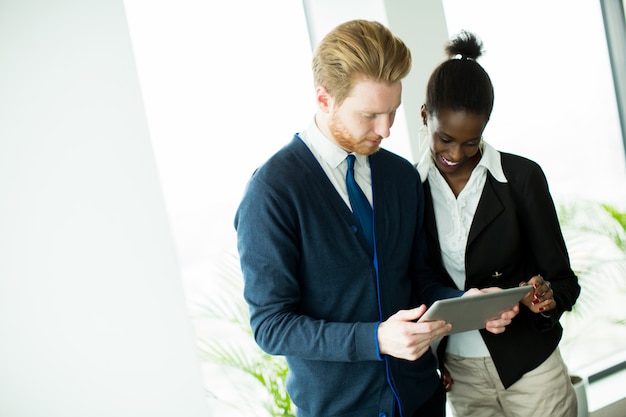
(342, 308)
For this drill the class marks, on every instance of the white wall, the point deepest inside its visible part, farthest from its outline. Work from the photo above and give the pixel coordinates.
(92, 313)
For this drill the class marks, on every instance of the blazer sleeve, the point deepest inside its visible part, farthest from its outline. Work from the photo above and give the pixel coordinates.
(540, 222)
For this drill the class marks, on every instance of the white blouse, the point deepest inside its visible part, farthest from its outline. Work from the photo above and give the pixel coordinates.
(454, 216)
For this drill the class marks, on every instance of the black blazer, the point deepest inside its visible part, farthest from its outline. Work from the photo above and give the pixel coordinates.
(515, 234)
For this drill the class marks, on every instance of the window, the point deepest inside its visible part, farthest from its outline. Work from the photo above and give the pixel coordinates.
(555, 103)
(225, 85)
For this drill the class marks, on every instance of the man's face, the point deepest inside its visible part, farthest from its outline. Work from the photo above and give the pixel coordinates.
(365, 117)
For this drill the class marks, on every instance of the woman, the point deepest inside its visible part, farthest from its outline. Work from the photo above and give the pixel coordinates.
(491, 221)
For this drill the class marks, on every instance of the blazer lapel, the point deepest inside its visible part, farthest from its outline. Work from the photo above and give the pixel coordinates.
(489, 207)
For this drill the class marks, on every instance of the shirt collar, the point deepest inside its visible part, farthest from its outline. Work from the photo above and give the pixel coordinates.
(328, 150)
(490, 160)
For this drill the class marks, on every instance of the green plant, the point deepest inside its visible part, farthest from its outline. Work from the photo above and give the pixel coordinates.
(235, 349)
(595, 235)
(620, 217)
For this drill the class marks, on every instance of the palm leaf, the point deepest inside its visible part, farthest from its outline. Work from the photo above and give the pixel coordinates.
(234, 347)
(594, 234)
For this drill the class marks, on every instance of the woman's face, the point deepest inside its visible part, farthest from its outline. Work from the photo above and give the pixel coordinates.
(455, 136)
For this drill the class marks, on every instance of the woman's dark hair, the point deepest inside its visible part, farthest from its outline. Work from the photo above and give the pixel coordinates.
(461, 83)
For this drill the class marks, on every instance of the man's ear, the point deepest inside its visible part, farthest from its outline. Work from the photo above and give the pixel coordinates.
(323, 99)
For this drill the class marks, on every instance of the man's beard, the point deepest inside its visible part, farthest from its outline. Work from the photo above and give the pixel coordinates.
(349, 142)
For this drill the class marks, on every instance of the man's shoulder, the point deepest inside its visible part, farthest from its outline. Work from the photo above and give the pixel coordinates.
(289, 156)
(290, 173)
(391, 161)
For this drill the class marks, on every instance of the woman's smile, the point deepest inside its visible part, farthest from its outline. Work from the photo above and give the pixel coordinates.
(447, 163)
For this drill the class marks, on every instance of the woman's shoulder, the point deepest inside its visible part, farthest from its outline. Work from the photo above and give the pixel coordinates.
(520, 169)
(511, 160)
(518, 165)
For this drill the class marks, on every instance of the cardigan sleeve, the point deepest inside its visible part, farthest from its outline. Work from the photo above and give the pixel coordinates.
(270, 252)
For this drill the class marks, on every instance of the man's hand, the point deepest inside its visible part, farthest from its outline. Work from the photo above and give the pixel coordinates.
(401, 337)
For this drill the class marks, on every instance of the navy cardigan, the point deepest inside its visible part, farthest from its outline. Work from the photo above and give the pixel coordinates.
(314, 294)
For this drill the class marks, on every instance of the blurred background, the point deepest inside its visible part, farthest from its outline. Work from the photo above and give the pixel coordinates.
(128, 130)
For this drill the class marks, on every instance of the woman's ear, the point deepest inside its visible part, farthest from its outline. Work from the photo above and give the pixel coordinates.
(424, 112)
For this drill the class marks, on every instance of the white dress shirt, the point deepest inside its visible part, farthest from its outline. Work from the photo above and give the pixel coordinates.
(332, 159)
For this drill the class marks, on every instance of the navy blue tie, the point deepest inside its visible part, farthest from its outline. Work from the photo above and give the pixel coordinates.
(360, 206)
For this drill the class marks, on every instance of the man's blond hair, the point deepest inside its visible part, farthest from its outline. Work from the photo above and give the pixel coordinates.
(359, 48)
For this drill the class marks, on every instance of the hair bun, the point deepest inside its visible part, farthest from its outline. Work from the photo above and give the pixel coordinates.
(464, 45)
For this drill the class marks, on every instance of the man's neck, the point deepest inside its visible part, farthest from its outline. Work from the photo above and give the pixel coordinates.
(321, 121)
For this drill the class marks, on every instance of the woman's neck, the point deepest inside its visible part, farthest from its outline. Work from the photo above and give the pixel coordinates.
(458, 179)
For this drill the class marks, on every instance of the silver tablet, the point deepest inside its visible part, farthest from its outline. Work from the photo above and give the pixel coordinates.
(474, 311)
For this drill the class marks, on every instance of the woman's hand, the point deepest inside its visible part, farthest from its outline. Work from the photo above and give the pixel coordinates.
(447, 379)
(541, 298)
(497, 325)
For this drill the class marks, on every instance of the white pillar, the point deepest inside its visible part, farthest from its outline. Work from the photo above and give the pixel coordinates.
(422, 26)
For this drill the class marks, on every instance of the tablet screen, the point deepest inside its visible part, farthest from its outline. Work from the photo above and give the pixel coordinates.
(474, 311)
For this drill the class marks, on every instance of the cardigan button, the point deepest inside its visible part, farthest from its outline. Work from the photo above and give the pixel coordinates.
(382, 414)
